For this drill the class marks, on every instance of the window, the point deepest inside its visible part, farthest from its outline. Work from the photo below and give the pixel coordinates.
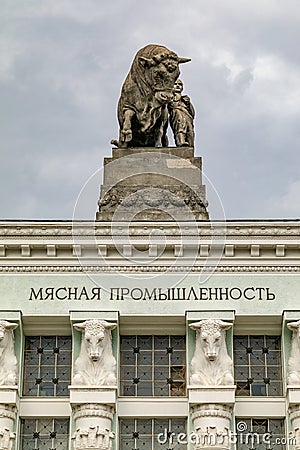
(257, 361)
(44, 434)
(153, 366)
(152, 434)
(47, 366)
(260, 434)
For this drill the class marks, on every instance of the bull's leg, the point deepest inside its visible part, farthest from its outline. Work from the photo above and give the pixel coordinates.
(126, 132)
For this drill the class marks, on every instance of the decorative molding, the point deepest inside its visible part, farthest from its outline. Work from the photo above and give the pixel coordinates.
(93, 410)
(211, 410)
(57, 229)
(7, 439)
(150, 269)
(8, 415)
(93, 438)
(8, 412)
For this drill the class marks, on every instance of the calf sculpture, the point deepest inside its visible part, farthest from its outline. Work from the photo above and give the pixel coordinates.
(8, 360)
(211, 364)
(293, 371)
(95, 364)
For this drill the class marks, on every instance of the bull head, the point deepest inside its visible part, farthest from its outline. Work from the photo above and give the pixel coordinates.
(210, 335)
(5, 325)
(295, 328)
(93, 335)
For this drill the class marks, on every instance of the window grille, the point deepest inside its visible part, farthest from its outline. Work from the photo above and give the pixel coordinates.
(260, 434)
(44, 434)
(152, 434)
(257, 361)
(47, 366)
(153, 366)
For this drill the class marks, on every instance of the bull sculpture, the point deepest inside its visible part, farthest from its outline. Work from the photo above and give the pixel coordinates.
(95, 364)
(211, 364)
(8, 360)
(147, 89)
(293, 371)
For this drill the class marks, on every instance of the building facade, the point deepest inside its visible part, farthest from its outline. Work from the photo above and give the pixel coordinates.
(150, 281)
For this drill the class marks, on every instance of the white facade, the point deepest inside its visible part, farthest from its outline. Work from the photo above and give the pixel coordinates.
(153, 280)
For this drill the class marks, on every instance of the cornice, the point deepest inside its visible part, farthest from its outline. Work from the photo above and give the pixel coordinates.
(102, 244)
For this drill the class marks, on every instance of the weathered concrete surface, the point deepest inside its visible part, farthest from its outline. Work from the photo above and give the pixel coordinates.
(153, 184)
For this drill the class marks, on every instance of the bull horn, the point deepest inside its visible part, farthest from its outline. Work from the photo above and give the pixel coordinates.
(293, 325)
(196, 325)
(79, 326)
(9, 325)
(109, 325)
(183, 60)
(225, 325)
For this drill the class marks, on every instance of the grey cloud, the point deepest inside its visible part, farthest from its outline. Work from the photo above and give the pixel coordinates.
(62, 67)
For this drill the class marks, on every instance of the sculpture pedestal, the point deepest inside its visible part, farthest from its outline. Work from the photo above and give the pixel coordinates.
(155, 184)
(293, 399)
(211, 412)
(9, 399)
(93, 410)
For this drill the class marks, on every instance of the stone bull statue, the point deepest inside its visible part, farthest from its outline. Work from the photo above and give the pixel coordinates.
(293, 371)
(147, 89)
(211, 364)
(96, 364)
(8, 360)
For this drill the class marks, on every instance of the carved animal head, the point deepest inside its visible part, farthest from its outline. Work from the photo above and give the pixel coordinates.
(94, 332)
(211, 336)
(6, 326)
(159, 67)
(295, 328)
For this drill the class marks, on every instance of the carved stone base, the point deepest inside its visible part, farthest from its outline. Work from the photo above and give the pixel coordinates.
(7, 419)
(156, 184)
(93, 426)
(211, 426)
(294, 412)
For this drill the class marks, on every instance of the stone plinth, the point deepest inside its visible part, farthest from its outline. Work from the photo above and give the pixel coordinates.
(152, 184)
(93, 394)
(211, 394)
(293, 395)
(9, 395)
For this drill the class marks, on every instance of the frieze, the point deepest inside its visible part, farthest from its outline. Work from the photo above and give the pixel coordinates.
(92, 229)
(149, 269)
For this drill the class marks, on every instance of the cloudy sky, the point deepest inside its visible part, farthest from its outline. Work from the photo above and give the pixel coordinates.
(62, 65)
